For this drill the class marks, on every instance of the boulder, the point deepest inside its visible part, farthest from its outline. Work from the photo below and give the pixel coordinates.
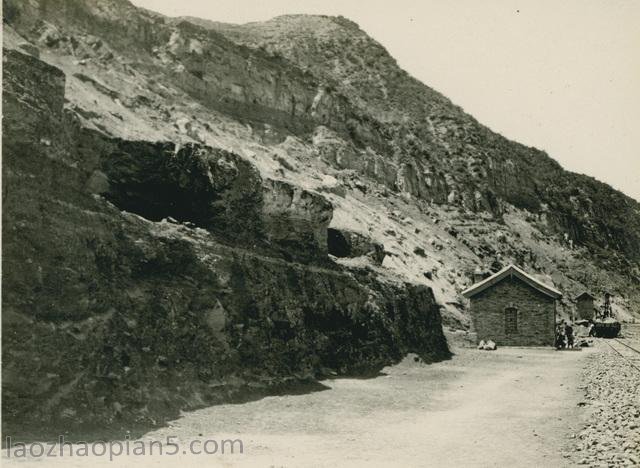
(490, 346)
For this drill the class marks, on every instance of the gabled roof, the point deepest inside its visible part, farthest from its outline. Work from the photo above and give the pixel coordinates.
(584, 294)
(508, 272)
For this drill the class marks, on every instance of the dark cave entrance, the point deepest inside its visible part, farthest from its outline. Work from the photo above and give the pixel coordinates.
(337, 244)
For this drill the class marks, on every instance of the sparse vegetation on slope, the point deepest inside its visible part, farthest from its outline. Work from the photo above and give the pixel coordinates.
(424, 128)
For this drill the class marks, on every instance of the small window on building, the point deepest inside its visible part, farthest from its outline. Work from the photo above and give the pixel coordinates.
(510, 320)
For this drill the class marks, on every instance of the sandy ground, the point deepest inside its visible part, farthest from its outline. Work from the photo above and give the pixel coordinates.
(511, 407)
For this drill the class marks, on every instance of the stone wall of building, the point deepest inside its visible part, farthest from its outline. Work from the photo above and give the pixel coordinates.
(535, 314)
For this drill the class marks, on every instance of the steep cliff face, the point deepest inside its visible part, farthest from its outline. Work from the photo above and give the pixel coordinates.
(295, 73)
(142, 278)
(215, 190)
(431, 137)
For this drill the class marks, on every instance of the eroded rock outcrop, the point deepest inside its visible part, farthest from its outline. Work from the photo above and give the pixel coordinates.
(113, 314)
(297, 73)
(440, 153)
(211, 188)
(218, 191)
(344, 243)
(295, 219)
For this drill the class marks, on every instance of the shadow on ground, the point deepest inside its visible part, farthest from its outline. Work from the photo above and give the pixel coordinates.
(119, 429)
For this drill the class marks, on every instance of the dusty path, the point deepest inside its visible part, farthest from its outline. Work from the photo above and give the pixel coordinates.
(512, 407)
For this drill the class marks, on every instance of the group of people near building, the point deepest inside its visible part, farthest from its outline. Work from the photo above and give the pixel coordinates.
(564, 335)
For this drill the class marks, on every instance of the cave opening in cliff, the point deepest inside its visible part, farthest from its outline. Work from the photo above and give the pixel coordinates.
(337, 244)
(209, 188)
(151, 180)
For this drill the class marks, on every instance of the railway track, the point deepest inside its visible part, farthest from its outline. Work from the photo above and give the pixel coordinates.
(629, 353)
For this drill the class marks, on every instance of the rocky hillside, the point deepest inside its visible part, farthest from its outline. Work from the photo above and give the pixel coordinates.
(115, 312)
(428, 137)
(196, 211)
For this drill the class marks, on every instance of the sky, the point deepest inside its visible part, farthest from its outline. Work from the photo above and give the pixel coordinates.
(561, 76)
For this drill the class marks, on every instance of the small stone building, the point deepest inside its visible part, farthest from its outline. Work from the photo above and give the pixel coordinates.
(586, 309)
(513, 308)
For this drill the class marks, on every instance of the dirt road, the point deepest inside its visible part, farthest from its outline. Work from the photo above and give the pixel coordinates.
(511, 407)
